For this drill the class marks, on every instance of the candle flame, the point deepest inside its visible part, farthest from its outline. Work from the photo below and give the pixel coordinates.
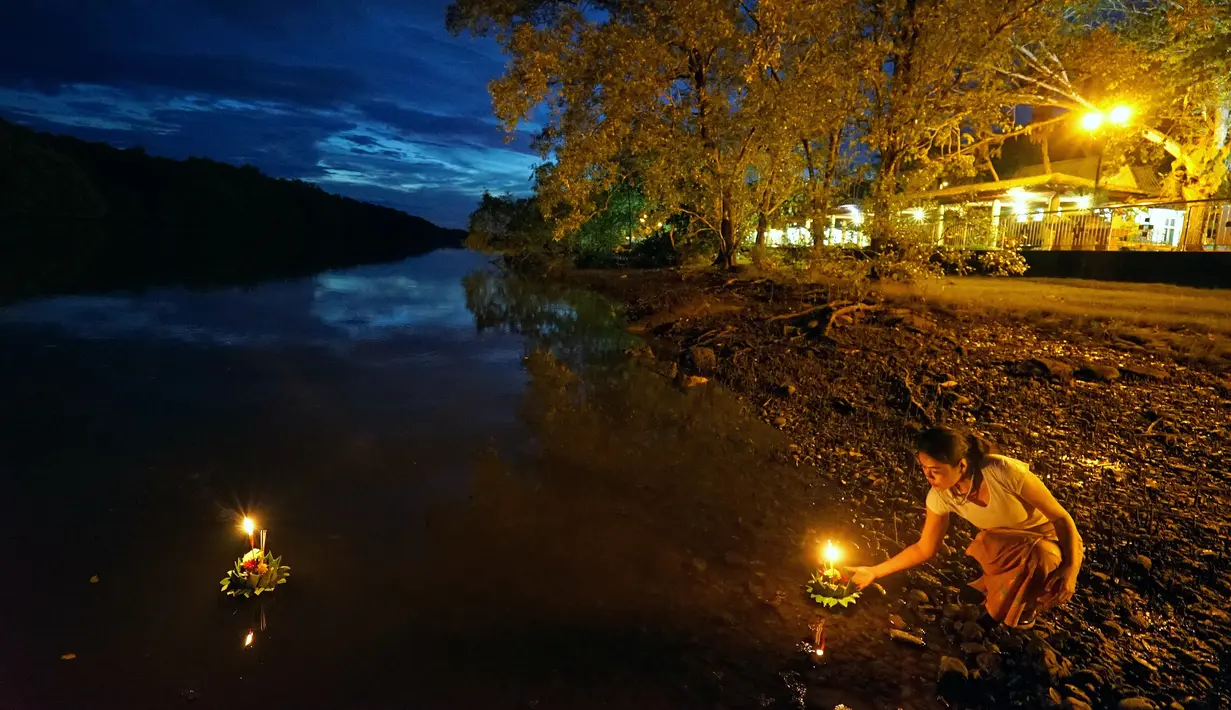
(832, 554)
(248, 639)
(820, 652)
(249, 526)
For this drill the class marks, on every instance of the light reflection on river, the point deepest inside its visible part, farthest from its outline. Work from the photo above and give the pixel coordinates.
(468, 526)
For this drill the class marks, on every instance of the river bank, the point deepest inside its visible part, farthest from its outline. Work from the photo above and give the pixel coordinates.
(1126, 420)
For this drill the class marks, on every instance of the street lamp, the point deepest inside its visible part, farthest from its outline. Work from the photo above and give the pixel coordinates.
(1092, 121)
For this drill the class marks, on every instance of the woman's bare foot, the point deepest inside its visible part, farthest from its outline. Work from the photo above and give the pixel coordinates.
(1026, 620)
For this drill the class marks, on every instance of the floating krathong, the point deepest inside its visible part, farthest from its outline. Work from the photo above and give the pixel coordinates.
(829, 587)
(256, 573)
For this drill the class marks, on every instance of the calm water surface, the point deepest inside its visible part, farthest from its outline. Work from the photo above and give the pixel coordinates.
(482, 505)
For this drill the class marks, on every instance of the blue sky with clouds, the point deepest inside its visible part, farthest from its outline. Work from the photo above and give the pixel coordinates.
(372, 99)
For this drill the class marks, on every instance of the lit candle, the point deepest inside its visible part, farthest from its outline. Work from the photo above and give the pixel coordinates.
(249, 639)
(250, 528)
(832, 554)
(263, 542)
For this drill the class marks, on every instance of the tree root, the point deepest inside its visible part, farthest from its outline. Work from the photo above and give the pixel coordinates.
(848, 309)
(836, 309)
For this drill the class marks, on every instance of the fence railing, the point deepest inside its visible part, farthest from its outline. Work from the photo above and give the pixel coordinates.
(1154, 227)
(1159, 226)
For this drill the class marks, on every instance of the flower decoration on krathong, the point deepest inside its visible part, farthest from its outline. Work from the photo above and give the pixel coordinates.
(256, 573)
(830, 587)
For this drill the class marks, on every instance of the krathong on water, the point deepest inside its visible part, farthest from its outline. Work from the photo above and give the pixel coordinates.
(258, 571)
(829, 586)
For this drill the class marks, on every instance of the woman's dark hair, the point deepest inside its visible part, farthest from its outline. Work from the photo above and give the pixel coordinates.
(950, 446)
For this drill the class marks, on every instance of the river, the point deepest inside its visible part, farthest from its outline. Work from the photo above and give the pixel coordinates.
(482, 503)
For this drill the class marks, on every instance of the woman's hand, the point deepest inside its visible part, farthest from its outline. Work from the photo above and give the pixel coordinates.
(1060, 586)
(861, 576)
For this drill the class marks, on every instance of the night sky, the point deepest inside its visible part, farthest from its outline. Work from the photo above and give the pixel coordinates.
(372, 99)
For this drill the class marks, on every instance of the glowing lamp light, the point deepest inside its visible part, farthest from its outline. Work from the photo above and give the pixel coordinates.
(1120, 115)
(919, 214)
(249, 638)
(1084, 202)
(1092, 120)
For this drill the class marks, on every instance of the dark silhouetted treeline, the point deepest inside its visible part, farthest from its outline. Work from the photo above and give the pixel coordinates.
(78, 216)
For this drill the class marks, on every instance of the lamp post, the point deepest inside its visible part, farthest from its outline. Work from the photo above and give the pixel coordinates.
(1092, 121)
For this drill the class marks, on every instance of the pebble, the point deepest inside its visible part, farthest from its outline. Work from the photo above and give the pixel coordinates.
(1143, 665)
(1144, 373)
(917, 596)
(1053, 698)
(1048, 663)
(1143, 562)
(1086, 677)
(1073, 691)
(1098, 373)
(989, 663)
(952, 670)
(970, 631)
(1137, 704)
(1045, 367)
(1075, 704)
(973, 649)
(896, 621)
(908, 639)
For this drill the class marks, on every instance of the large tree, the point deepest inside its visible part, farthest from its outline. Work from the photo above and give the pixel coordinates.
(1169, 61)
(937, 91)
(714, 107)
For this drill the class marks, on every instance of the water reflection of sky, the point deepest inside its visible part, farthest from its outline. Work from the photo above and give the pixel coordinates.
(418, 297)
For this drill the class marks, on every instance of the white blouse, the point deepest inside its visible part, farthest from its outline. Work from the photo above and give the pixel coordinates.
(1004, 478)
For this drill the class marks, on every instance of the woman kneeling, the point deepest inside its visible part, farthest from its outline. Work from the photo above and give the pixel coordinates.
(1027, 544)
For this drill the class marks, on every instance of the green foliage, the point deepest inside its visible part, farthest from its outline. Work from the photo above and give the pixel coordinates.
(830, 588)
(621, 218)
(508, 224)
(1003, 262)
(255, 573)
(958, 262)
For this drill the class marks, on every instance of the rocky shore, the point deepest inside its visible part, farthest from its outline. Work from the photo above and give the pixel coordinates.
(1135, 444)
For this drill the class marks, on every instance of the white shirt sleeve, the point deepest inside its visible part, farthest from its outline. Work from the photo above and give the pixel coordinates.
(1011, 473)
(936, 503)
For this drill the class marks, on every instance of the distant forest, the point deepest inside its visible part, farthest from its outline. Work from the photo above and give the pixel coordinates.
(78, 216)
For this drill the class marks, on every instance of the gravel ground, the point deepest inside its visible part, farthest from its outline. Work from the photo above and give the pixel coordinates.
(1136, 446)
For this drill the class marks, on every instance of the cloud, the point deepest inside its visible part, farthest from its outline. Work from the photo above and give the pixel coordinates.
(372, 99)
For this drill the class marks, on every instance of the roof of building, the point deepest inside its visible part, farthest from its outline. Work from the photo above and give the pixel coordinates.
(1077, 173)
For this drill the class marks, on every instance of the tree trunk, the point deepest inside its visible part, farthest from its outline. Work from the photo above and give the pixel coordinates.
(880, 221)
(1196, 219)
(762, 228)
(728, 241)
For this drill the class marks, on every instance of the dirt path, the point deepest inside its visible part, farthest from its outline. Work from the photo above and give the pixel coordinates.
(1129, 432)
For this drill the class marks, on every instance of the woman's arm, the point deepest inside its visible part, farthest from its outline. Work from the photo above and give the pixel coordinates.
(1063, 582)
(929, 542)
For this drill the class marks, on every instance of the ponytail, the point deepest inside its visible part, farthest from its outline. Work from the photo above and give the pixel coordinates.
(977, 451)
